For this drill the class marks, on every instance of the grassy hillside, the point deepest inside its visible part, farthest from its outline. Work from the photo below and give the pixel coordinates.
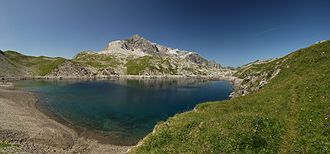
(148, 63)
(9, 68)
(37, 65)
(288, 115)
(96, 60)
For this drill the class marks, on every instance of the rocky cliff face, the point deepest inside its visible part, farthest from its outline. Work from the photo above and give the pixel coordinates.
(254, 76)
(137, 42)
(71, 69)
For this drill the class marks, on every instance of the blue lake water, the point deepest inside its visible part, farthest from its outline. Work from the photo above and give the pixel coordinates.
(122, 112)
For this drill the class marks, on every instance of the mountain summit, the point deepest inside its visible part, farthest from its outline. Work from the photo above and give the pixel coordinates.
(138, 46)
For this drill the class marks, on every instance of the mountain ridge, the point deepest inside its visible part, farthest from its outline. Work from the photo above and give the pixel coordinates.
(132, 56)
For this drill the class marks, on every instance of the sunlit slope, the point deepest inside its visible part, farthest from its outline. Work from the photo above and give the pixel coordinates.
(37, 66)
(9, 68)
(288, 115)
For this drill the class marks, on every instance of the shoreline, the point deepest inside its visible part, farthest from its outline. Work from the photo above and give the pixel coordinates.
(123, 77)
(87, 140)
(82, 132)
(235, 81)
(32, 131)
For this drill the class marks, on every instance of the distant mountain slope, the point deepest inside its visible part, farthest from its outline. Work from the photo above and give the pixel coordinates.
(138, 56)
(289, 114)
(9, 68)
(37, 66)
(133, 56)
(139, 46)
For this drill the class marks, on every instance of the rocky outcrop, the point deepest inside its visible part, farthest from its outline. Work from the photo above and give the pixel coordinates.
(71, 69)
(196, 58)
(136, 42)
(214, 64)
(254, 78)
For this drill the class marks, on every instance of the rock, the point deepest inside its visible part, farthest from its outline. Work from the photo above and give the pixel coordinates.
(255, 80)
(71, 69)
(196, 58)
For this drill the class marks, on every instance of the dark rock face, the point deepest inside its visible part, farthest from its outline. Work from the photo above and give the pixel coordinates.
(214, 64)
(1, 52)
(137, 42)
(107, 71)
(196, 58)
(71, 69)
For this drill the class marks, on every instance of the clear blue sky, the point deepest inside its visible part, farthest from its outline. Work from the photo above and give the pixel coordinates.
(231, 32)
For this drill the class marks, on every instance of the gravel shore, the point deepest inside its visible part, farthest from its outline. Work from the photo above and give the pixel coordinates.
(28, 130)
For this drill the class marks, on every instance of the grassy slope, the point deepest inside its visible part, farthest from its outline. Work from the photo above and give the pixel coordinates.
(139, 65)
(38, 65)
(290, 114)
(10, 68)
(96, 60)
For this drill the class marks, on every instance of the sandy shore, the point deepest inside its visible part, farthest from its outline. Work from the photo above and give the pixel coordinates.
(23, 125)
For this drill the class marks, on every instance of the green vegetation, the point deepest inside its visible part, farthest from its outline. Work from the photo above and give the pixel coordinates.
(288, 115)
(3, 145)
(147, 63)
(38, 65)
(259, 69)
(92, 59)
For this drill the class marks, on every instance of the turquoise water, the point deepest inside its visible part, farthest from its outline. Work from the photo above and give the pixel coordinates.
(122, 112)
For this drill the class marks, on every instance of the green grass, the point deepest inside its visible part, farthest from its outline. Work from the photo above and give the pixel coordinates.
(140, 65)
(4, 145)
(289, 115)
(38, 65)
(96, 60)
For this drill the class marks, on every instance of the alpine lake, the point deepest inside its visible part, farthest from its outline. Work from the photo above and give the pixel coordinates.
(121, 111)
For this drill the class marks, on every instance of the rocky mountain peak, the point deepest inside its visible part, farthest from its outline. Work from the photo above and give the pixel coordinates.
(137, 45)
(140, 44)
(136, 37)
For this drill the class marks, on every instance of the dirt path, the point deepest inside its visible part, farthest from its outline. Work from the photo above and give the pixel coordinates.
(291, 127)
